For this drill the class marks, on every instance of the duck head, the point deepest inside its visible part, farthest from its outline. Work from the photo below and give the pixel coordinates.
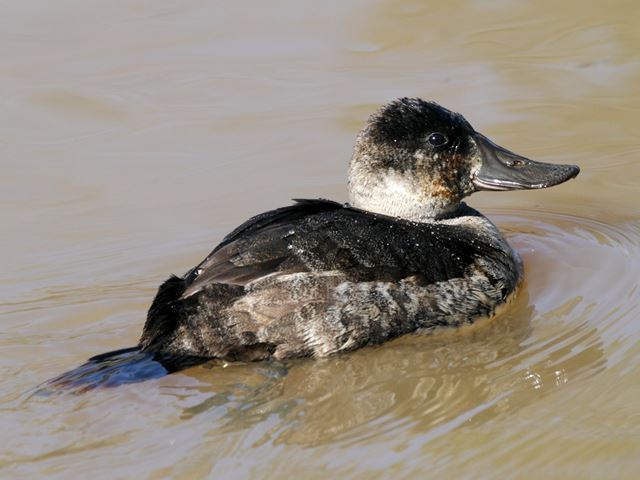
(417, 160)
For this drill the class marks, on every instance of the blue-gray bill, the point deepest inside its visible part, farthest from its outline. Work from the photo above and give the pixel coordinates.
(502, 169)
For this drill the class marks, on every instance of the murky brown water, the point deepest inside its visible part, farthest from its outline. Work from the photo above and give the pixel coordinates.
(135, 134)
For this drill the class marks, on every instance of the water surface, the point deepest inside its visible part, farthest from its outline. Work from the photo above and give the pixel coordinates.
(135, 134)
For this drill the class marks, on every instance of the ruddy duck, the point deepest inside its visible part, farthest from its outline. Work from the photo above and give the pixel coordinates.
(318, 277)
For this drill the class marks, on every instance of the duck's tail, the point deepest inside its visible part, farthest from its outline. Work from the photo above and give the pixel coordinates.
(119, 367)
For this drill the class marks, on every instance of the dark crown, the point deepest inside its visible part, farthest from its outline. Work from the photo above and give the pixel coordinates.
(407, 120)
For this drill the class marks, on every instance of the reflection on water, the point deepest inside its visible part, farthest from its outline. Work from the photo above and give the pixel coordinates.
(136, 134)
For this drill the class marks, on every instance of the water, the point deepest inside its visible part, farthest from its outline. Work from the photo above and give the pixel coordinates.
(135, 134)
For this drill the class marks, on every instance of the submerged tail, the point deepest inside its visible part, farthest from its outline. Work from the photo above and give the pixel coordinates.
(119, 367)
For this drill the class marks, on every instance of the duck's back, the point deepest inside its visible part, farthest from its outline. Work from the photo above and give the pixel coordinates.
(318, 277)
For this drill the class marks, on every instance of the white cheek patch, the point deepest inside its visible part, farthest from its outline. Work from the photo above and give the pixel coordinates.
(395, 194)
(401, 186)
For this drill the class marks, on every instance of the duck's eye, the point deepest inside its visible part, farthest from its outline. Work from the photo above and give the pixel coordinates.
(437, 139)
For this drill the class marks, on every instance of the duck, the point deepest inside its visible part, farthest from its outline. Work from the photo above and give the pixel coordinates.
(316, 278)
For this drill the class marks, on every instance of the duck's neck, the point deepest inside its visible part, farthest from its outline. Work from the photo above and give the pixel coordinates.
(394, 194)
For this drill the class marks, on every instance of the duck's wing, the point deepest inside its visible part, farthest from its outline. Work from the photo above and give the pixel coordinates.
(257, 248)
(300, 209)
(321, 236)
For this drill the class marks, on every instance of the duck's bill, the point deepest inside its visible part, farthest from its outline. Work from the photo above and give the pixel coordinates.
(504, 170)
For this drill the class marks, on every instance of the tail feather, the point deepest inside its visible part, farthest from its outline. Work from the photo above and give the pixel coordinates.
(119, 367)
(162, 318)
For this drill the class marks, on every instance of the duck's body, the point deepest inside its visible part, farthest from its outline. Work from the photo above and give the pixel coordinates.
(318, 277)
